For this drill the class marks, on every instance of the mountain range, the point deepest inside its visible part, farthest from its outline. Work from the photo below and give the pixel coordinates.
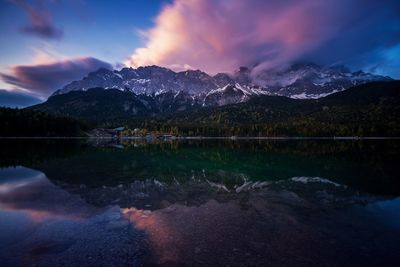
(370, 109)
(301, 81)
(303, 100)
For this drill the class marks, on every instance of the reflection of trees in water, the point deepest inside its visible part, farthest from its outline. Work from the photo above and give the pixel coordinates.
(15, 152)
(368, 164)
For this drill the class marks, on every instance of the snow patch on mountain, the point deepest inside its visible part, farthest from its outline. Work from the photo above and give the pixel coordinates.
(313, 96)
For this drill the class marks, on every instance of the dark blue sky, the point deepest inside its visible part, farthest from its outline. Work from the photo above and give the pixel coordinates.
(45, 44)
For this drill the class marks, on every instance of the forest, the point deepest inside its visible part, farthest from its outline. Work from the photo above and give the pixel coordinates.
(32, 123)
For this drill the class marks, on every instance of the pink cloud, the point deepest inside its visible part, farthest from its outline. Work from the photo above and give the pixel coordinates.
(220, 36)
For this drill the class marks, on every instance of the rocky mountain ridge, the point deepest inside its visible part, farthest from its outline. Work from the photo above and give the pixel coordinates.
(301, 81)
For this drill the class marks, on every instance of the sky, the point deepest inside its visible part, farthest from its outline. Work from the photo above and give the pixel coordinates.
(45, 44)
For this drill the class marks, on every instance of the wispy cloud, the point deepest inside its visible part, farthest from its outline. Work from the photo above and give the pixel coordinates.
(43, 79)
(40, 21)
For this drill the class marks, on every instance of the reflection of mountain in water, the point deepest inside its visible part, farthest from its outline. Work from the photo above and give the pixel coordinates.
(154, 195)
(369, 165)
(302, 221)
(200, 203)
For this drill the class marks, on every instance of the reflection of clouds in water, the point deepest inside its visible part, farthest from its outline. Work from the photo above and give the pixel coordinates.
(29, 192)
(182, 234)
(178, 232)
(251, 223)
(11, 178)
(38, 218)
(164, 238)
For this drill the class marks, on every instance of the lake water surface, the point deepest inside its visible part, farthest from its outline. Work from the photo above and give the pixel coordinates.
(199, 203)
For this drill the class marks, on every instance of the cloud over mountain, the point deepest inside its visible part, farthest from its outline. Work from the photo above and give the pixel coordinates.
(43, 79)
(219, 36)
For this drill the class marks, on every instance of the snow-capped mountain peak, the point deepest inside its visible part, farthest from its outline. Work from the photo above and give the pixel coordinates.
(296, 81)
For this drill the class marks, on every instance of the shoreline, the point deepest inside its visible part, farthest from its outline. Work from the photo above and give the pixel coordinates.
(211, 138)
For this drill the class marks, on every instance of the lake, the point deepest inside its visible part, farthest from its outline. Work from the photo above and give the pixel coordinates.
(99, 202)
